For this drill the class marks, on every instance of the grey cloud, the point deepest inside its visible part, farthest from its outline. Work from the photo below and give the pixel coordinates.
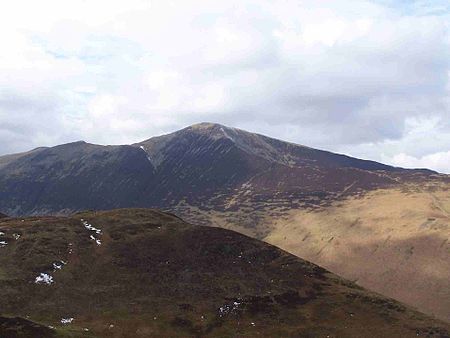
(349, 84)
(30, 121)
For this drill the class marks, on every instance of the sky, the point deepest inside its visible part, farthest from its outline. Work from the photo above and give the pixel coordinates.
(365, 78)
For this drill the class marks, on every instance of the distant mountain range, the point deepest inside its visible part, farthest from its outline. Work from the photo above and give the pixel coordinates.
(385, 228)
(202, 165)
(145, 273)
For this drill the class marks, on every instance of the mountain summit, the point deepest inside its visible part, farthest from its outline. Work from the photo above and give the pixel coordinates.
(270, 149)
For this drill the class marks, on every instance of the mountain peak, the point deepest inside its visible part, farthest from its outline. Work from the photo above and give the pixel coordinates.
(205, 125)
(201, 137)
(214, 130)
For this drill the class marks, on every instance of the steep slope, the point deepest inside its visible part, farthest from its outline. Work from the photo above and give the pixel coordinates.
(211, 166)
(198, 137)
(6, 159)
(74, 176)
(141, 273)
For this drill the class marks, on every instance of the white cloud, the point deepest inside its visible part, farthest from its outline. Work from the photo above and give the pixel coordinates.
(351, 76)
(439, 161)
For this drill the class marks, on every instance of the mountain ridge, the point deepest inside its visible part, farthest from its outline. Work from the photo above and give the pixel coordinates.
(209, 159)
(215, 130)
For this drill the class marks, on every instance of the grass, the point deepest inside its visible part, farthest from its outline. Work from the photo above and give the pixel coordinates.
(155, 275)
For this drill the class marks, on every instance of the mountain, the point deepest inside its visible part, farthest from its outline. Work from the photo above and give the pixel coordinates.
(142, 273)
(385, 228)
(2, 215)
(199, 165)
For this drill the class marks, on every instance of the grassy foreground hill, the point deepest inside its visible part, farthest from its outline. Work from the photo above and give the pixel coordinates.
(145, 273)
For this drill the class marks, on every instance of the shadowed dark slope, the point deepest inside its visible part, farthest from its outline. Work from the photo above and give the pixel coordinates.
(142, 273)
(6, 159)
(72, 177)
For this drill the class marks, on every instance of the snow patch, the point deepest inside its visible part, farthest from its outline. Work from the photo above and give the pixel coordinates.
(94, 229)
(3, 244)
(226, 134)
(91, 228)
(146, 153)
(66, 321)
(228, 308)
(97, 241)
(58, 265)
(44, 278)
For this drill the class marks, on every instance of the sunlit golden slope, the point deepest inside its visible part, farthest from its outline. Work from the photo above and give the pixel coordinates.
(393, 241)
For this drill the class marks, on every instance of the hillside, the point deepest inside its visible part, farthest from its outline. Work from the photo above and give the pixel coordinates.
(384, 240)
(386, 228)
(140, 273)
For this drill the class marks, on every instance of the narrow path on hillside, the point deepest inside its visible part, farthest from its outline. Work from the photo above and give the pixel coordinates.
(437, 203)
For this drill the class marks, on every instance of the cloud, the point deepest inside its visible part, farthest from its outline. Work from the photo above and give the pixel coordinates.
(350, 76)
(439, 161)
